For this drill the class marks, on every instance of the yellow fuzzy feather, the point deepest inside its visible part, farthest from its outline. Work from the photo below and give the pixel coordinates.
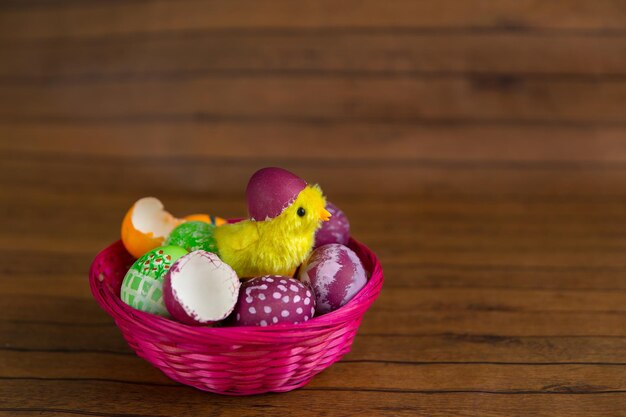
(274, 246)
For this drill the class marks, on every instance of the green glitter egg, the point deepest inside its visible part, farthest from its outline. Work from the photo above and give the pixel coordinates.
(193, 235)
(142, 287)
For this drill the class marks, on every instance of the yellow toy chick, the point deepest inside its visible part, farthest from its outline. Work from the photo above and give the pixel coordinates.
(285, 212)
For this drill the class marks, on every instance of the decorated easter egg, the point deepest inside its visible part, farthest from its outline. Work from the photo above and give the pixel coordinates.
(200, 289)
(142, 287)
(193, 235)
(146, 225)
(335, 230)
(270, 191)
(207, 218)
(336, 275)
(273, 299)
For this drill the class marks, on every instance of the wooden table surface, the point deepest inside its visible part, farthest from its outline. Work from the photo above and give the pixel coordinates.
(478, 147)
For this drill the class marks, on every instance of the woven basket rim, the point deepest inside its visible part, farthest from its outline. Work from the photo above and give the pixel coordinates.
(161, 327)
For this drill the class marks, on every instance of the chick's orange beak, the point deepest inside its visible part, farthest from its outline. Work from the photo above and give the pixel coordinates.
(325, 215)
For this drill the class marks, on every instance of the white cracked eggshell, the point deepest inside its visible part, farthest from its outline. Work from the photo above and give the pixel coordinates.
(336, 275)
(273, 299)
(200, 289)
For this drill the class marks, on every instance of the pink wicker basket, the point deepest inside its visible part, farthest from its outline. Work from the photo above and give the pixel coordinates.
(234, 360)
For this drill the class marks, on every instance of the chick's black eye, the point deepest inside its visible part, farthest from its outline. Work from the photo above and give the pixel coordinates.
(301, 212)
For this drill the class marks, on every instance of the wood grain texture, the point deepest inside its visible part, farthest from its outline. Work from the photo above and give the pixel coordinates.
(402, 54)
(75, 19)
(445, 142)
(478, 147)
(86, 397)
(272, 98)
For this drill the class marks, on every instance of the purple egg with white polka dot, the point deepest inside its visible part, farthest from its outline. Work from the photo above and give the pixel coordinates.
(335, 274)
(273, 299)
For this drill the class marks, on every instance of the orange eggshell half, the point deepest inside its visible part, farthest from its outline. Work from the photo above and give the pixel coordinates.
(146, 225)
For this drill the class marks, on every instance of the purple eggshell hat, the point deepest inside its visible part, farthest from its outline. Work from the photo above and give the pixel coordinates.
(270, 191)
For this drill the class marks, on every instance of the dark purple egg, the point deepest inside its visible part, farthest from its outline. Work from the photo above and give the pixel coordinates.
(270, 191)
(335, 230)
(273, 299)
(336, 275)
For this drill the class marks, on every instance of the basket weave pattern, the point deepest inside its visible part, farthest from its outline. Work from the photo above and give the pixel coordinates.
(234, 360)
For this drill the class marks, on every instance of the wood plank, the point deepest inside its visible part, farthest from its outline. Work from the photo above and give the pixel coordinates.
(445, 54)
(497, 322)
(88, 396)
(342, 375)
(520, 269)
(436, 230)
(605, 258)
(446, 299)
(473, 322)
(414, 178)
(447, 348)
(396, 299)
(418, 275)
(59, 310)
(324, 140)
(439, 215)
(528, 257)
(443, 228)
(320, 99)
(412, 224)
(454, 348)
(526, 212)
(431, 240)
(93, 19)
(436, 233)
(43, 336)
(577, 278)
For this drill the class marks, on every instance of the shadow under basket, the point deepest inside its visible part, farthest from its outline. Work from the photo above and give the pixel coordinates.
(234, 360)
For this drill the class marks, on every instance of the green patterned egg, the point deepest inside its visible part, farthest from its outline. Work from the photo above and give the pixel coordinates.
(142, 287)
(193, 235)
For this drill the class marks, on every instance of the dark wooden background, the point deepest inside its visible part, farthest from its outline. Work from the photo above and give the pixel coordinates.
(479, 147)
